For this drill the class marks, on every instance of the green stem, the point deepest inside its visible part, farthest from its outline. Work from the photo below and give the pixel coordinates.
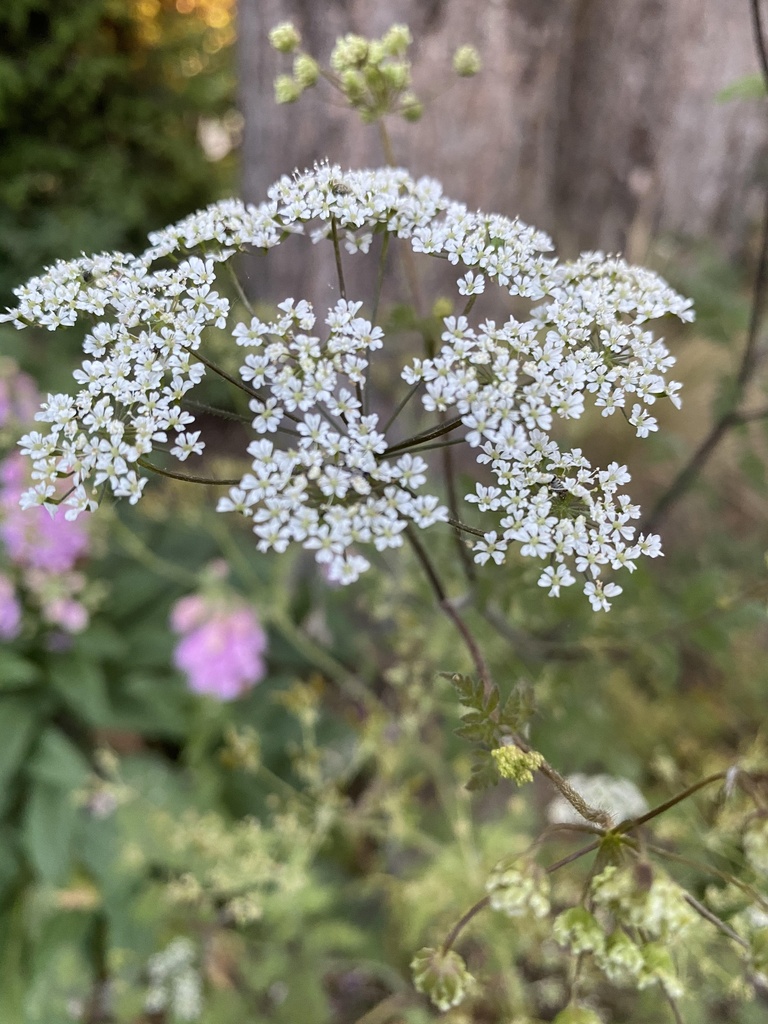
(401, 405)
(447, 608)
(425, 435)
(337, 255)
(380, 276)
(239, 288)
(633, 823)
(187, 478)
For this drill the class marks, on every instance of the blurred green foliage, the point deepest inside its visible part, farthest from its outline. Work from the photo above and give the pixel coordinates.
(100, 105)
(310, 837)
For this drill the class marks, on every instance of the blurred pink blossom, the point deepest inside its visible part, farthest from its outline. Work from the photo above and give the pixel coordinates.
(10, 610)
(222, 645)
(34, 539)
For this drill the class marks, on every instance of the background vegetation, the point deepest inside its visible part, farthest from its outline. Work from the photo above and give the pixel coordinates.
(168, 857)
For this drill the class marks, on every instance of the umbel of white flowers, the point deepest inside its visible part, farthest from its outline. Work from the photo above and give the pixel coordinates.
(327, 473)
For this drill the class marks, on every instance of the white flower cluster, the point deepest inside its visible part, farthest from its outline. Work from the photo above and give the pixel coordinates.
(174, 982)
(338, 481)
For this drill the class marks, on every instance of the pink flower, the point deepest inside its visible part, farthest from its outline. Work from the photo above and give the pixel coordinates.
(33, 539)
(222, 646)
(10, 610)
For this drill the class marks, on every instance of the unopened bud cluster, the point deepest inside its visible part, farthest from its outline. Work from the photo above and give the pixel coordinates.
(518, 888)
(373, 75)
(631, 927)
(442, 976)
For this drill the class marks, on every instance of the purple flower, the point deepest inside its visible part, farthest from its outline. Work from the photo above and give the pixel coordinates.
(10, 610)
(222, 646)
(34, 539)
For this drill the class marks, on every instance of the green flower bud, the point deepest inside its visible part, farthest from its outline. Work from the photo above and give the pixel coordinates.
(353, 86)
(397, 75)
(579, 930)
(518, 888)
(441, 976)
(376, 53)
(466, 61)
(284, 37)
(396, 40)
(306, 70)
(349, 52)
(287, 89)
(577, 1015)
(411, 108)
(622, 960)
(660, 967)
(516, 764)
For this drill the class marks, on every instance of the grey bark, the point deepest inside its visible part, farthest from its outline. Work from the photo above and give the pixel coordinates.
(596, 120)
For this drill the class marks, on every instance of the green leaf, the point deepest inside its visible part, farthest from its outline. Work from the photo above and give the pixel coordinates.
(520, 707)
(16, 671)
(18, 718)
(48, 827)
(58, 761)
(484, 771)
(82, 685)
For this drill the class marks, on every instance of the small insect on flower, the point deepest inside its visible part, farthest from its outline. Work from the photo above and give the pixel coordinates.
(340, 189)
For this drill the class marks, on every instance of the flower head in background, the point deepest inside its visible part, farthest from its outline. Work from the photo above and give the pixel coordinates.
(619, 797)
(222, 643)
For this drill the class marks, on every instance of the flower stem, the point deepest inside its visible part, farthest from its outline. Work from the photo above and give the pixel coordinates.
(337, 255)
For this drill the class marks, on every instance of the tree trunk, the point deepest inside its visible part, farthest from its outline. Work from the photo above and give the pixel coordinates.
(597, 120)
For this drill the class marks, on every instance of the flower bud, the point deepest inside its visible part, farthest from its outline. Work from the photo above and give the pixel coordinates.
(579, 930)
(396, 40)
(349, 52)
(518, 888)
(411, 108)
(466, 61)
(287, 89)
(284, 37)
(516, 764)
(305, 70)
(441, 976)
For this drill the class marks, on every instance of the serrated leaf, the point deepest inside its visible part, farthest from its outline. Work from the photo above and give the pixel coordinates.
(484, 771)
(520, 707)
(476, 732)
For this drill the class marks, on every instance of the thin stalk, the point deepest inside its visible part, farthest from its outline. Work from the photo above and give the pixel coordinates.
(475, 653)
(425, 435)
(225, 376)
(707, 914)
(337, 255)
(187, 478)
(453, 504)
(438, 444)
(574, 798)
(401, 405)
(633, 823)
(211, 410)
(380, 276)
(481, 904)
(239, 288)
